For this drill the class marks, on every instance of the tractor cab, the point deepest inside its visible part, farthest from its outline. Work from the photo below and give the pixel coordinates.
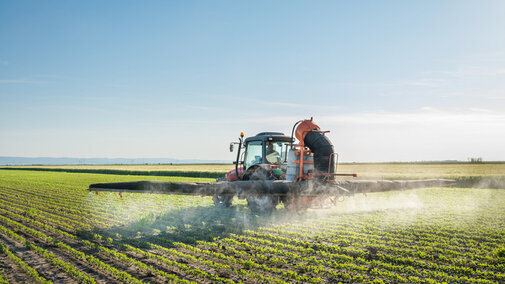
(262, 158)
(265, 148)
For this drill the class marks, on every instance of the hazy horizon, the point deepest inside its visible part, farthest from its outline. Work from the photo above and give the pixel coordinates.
(50, 161)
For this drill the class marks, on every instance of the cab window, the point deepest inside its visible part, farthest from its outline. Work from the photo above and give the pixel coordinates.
(254, 153)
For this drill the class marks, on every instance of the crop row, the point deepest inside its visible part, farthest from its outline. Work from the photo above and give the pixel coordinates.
(21, 264)
(58, 209)
(394, 247)
(122, 257)
(91, 260)
(396, 277)
(57, 201)
(2, 279)
(65, 266)
(246, 264)
(109, 252)
(360, 264)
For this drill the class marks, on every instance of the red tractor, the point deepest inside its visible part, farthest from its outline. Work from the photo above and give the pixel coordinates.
(275, 156)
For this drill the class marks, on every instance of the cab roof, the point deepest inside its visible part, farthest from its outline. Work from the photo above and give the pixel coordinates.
(269, 136)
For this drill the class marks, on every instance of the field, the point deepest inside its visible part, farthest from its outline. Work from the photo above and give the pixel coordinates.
(53, 229)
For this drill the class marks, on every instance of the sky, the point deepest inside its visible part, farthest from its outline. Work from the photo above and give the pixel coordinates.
(390, 80)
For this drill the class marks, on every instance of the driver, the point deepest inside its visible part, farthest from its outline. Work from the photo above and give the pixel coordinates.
(272, 156)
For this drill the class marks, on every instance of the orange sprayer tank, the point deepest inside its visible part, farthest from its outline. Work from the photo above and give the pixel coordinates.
(303, 128)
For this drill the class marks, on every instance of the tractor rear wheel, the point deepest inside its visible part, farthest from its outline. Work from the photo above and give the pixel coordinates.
(260, 203)
(222, 200)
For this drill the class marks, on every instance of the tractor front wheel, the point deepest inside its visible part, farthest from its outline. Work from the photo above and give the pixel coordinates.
(262, 203)
(222, 200)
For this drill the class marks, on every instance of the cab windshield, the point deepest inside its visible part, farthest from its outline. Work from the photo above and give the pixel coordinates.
(253, 155)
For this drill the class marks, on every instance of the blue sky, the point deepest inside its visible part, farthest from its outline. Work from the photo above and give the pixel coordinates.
(392, 80)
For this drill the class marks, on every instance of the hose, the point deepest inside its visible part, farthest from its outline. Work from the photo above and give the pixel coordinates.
(323, 151)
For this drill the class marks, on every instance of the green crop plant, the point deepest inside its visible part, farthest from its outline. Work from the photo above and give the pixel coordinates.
(2, 279)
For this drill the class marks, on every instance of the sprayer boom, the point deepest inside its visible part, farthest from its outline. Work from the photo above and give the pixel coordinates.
(275, 169)
(269, 187)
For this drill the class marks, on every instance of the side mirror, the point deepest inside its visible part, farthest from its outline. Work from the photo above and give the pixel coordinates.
(231, 147)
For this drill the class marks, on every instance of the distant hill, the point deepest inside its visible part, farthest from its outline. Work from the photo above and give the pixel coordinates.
(19, 161)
